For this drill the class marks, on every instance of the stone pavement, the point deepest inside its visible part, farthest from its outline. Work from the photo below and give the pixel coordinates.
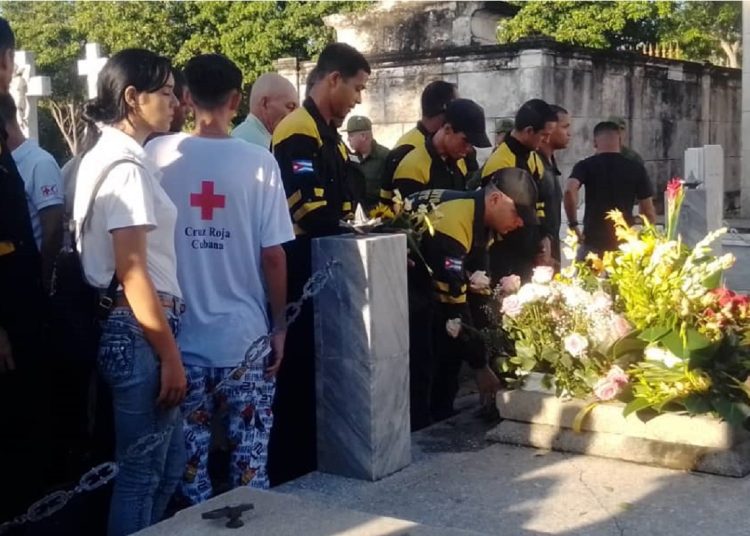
(458, 481)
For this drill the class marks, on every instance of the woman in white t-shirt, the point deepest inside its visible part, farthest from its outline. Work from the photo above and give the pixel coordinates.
(130, 234)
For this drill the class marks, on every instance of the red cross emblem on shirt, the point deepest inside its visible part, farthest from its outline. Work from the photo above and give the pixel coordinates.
(207, 200)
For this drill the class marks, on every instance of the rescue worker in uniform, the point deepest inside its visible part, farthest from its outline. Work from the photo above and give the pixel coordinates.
(434, 165)
(438, 162)
(518, 253)
(436, 96)
(313, 161)
(465, 224)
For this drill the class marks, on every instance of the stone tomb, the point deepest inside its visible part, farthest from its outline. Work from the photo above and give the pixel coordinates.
(535, 417)
(703, 212)
(362, 361)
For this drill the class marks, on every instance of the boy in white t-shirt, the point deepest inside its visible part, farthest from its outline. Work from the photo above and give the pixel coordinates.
(232, 220)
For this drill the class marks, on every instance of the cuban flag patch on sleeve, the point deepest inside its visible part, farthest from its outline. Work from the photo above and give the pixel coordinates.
(302, 166)
(453, 264)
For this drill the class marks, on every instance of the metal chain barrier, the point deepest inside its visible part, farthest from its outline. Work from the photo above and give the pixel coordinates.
(103, 473)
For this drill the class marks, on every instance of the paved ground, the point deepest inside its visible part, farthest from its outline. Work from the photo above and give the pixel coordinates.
(458, 480)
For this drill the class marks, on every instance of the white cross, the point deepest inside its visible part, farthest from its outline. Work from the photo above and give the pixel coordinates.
(91, 65)
(27, 89)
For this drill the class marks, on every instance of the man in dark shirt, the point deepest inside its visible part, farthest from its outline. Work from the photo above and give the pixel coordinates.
(314, 168)
(22, 390)
(612, 181)
(517, 254)
(367, 160)
(550, 187)
(626, 151)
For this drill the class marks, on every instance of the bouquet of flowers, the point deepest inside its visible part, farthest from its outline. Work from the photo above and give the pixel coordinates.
(560, 329)
(402, 217)
(647, 324)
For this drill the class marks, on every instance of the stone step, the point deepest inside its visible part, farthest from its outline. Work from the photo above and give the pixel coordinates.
(281, 514)
(541, 420)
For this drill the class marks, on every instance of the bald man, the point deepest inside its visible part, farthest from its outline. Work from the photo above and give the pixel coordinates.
(272, 97)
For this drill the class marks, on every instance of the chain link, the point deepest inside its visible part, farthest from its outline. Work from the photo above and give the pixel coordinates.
(102, 474)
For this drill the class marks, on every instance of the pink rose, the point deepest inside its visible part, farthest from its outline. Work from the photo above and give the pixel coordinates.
(510, 284)
(620, 326)
(617, 376)
(606, 390)
(512, 306)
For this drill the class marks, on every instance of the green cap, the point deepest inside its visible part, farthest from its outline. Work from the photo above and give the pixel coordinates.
(617, 120)
(358, 123)
(503, 125)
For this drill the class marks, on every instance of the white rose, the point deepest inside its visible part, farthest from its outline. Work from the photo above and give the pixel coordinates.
(575, 296)
(575, 344)
(531, 292)
(407, 205)
(601, 301)
(542, 275)
(453, 327)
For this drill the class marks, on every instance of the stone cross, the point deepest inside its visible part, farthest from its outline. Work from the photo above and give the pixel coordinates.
(91, 65)
(27, 89)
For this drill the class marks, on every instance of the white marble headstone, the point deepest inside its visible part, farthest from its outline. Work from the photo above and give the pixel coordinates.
(26, 89)
(703, 208)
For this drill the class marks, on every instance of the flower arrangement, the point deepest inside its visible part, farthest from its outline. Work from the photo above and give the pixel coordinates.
(560, 329)
(648, 324)
(403, 217)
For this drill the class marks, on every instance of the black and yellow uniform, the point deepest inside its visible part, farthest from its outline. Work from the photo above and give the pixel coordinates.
(415, 138)
(460, 239)
(424, 169)
(516, 253)
(403, 146)
(313, 162)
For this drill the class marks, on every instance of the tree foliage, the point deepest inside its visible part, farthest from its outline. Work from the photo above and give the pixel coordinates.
(704, 31)
(252, 34)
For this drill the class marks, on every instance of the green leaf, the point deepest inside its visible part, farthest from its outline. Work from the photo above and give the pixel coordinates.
(735, 413)
(697, 405)
(714, 280)
(637, 404)
(654, 334)
(627, 345)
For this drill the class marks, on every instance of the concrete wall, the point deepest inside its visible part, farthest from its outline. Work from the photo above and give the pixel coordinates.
(670, 105)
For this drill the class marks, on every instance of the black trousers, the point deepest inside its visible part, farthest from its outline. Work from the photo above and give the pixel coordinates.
(292, 447)
(421, 350)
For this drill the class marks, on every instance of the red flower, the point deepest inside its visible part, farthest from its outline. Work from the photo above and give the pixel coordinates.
(674, 188)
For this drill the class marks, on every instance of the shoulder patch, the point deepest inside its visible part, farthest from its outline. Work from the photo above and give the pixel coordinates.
(302, 166)
(453, 264)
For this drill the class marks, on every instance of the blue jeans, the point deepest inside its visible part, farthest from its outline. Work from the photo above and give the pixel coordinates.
(150, 471)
